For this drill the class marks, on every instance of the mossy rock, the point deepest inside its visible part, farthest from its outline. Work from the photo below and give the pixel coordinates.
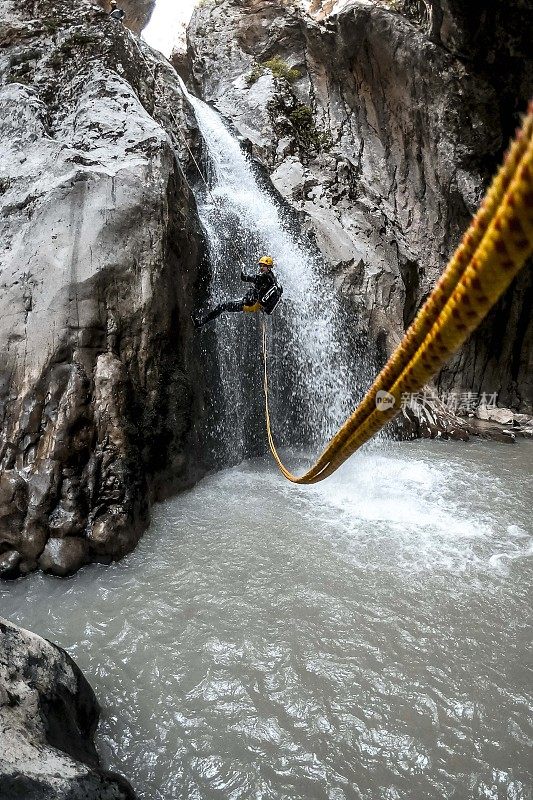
(278, 67)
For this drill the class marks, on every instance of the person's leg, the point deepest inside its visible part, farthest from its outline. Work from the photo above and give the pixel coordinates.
(227, 305)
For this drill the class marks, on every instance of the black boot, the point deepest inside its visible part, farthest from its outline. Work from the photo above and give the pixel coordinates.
(229, 305)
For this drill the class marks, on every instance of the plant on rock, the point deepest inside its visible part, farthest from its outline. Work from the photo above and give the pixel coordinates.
(278, 67)
(308, 137)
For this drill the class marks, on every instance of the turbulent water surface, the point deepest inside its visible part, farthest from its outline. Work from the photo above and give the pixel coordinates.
(364, 638)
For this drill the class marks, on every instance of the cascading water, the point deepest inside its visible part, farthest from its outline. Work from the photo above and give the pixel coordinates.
(313, 387)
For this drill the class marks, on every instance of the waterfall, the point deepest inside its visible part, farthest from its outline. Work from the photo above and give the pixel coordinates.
(313, 384)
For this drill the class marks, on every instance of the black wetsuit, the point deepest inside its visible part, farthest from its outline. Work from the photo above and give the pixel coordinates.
(263, 282)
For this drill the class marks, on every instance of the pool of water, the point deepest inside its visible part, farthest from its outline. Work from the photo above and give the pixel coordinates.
(363, 638)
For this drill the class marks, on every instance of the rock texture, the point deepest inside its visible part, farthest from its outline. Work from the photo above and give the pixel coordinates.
(138, 12)
(99, 254)
(48, 716)
(384, 138)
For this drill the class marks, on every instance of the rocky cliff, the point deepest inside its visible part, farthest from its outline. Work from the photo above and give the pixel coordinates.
(48, 717)
(383, 129)
(99, 254)
(137, 12)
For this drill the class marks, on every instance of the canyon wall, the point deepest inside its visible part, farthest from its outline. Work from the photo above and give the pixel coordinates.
(99, 265)
(382, 129)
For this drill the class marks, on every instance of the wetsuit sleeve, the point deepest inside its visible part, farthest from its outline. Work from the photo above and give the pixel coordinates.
(248, 278)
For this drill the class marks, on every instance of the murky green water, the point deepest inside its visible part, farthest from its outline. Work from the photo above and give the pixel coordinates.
(364, 638)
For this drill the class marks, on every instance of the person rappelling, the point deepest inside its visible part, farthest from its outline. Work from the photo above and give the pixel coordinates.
(263, 296)
(116, 13)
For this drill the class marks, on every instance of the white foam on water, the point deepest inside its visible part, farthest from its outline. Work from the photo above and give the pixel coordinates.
(427, 511)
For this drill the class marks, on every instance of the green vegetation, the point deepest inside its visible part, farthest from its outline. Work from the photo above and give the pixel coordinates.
(278, 67)
(23, 68)
(308, 137)
(55, 60)
(52, 25)
(23, 58)
(414, 10)
(255, 74)
(302, 117)
(394, 5)
(19, 79)
(66, 48)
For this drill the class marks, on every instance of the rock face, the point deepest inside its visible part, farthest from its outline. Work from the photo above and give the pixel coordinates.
(138, 12)
(383, 130)
(48, 716)
(99, 254)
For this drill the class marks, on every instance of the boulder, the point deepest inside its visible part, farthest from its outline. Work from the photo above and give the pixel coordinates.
(48, 717)
(504, 416)
(64, 556)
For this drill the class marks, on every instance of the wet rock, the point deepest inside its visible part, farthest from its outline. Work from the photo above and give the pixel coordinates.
(67, 519)
(288, 177)
(33, 538)
(138, 12)
(523, 425)
(110, 534)
(503, 422)
(64, 556)
(505, 416)
(430, 419)
(9, 563)
(489, 430)
(48, 717)
(100, 250)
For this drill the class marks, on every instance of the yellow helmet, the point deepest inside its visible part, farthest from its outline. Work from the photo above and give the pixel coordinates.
(266, 261)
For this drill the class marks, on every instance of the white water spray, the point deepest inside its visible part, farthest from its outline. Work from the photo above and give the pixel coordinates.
(313, 386)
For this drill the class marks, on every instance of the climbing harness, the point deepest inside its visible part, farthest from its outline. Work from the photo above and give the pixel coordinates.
(252, 308)
(492, 252)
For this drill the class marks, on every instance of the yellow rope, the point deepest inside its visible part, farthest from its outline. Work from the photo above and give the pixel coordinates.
(492, 252)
